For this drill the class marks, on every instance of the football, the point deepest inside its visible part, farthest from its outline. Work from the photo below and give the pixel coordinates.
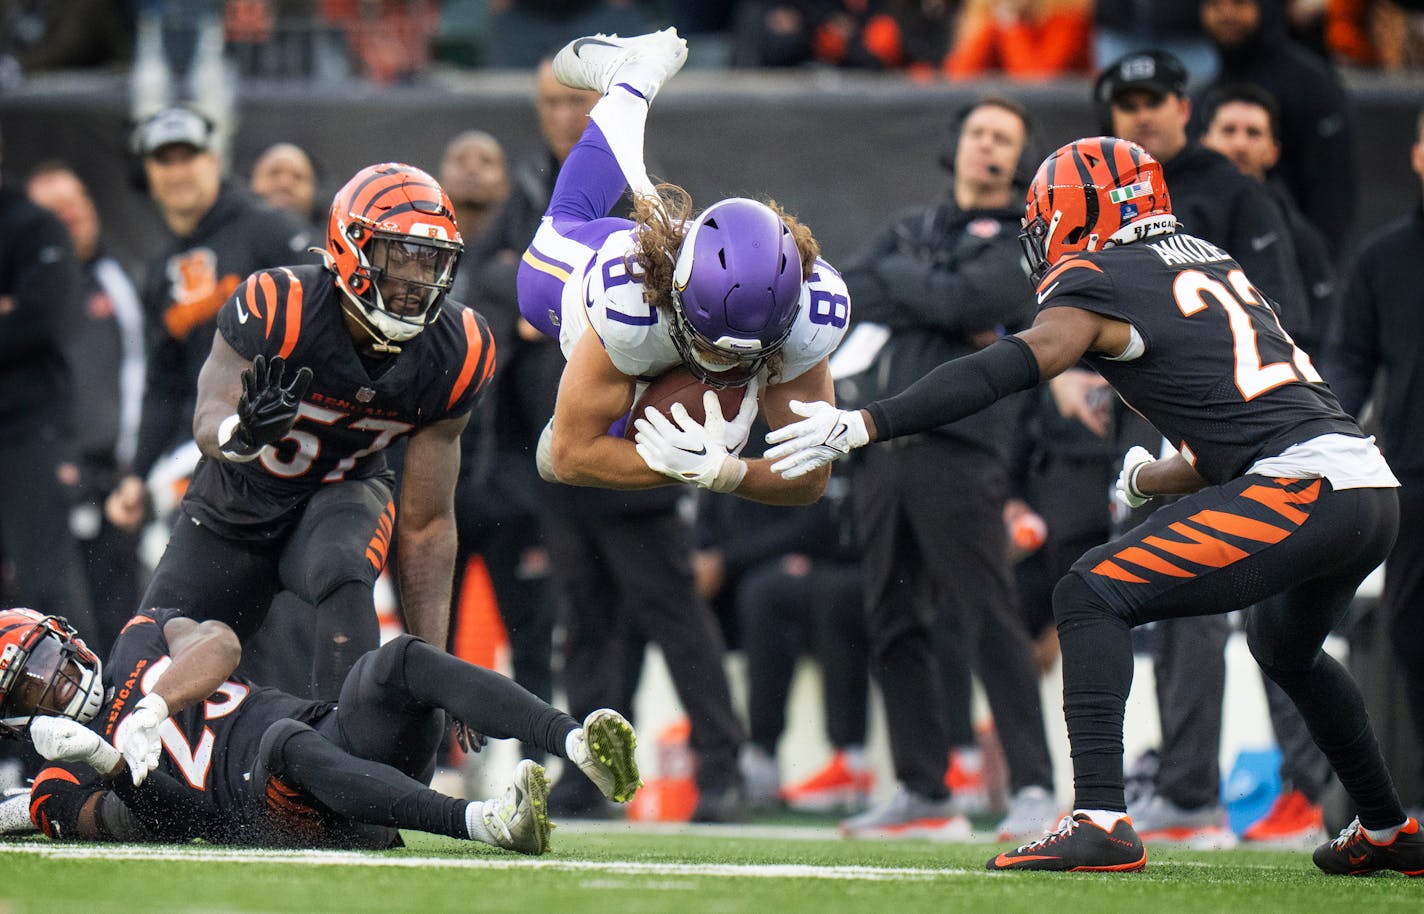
(678, 385)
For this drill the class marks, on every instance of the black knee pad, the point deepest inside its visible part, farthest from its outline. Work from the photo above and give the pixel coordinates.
(1075, 602)
(342, 537)
(270, 762)
(386, 665)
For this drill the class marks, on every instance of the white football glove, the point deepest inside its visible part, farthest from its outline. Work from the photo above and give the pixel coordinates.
(1126, 491)
(826, 434)
(60, 739)
(137, 736)
(739, 428)
(688, 452)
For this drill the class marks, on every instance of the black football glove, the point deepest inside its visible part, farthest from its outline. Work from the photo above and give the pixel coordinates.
(266, 409)
(470, 739)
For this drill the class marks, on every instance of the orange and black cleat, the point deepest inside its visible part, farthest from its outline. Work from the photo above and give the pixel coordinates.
(1079, 845)
(1354, 854)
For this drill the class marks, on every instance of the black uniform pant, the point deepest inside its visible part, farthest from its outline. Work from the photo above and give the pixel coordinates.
(617, 570)
(329, 560)
(368, 762)
(784, 613)
(1225, 548)
(931, 523)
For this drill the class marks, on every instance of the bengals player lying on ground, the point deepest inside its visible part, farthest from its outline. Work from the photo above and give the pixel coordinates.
(165, 743)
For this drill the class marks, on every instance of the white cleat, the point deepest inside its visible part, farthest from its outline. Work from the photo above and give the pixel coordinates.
(519, 820)
(642, 62)
(603, 750)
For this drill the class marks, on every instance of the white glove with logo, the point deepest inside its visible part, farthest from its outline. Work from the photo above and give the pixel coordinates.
(739, 429)
(1126, 491)
(137, 736)
(689, 452)
(826, 434)
(60, 739)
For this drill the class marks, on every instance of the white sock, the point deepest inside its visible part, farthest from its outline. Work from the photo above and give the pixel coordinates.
(855, 758)
(570, 741)
(623, 117)
(1103, 818)
(475, 822)
(1383, 835)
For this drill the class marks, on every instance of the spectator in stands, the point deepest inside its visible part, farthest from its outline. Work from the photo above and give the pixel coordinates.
(945, 279)
(1023, 39)
(1315, 125)
(1376, 33)
(105, 350)
(216, 236)
(522, 31)
(41, 35)
(284, 177)
(1144, 99)
(1383, 327)
(390, 40)
(1243, 123)
(845, 33)
(1123, 26)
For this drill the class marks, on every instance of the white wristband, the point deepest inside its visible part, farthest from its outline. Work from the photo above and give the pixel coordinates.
(226, 429)
(729, 475)
(1132, 488)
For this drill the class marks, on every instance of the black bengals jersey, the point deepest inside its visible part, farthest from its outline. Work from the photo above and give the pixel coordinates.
(1219, 378)
(208, 750)
(350, 414)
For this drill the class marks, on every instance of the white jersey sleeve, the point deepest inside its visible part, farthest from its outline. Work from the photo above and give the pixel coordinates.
(820, 324)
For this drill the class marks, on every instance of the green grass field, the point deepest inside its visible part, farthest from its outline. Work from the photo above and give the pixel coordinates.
(620, 869)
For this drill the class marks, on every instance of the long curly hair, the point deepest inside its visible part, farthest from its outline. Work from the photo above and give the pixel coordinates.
(662, 223)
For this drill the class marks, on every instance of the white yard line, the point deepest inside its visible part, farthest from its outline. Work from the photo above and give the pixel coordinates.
(352, 858)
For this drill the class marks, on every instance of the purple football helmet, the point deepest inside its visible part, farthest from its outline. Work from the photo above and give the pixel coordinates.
(736, 290)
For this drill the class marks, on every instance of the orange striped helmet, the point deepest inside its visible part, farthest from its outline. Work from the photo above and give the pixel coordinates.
(1090, 194)
(45, 670)
(393, 245)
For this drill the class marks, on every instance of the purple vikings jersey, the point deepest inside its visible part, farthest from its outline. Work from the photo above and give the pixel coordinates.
(1216, 374)
(350, 413)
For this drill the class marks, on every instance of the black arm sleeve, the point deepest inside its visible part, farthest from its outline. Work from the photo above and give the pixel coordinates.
(957, 389)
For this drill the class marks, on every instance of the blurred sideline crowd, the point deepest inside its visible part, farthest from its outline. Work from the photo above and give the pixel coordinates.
(928, 564)
(399, 40)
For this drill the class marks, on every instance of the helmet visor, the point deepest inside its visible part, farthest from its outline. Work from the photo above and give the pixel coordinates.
(712, 363)
(1033, 240)
(46, 681)
(411, 274)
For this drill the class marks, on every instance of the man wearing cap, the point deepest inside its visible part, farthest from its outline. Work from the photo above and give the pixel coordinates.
(216, 235)
(1318, 152)
(1142, 97)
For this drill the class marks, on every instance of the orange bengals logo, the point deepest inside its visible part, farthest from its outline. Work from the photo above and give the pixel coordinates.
(195, 291)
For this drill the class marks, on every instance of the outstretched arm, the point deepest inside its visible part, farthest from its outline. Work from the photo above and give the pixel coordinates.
(958, 388)
(425, 528)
